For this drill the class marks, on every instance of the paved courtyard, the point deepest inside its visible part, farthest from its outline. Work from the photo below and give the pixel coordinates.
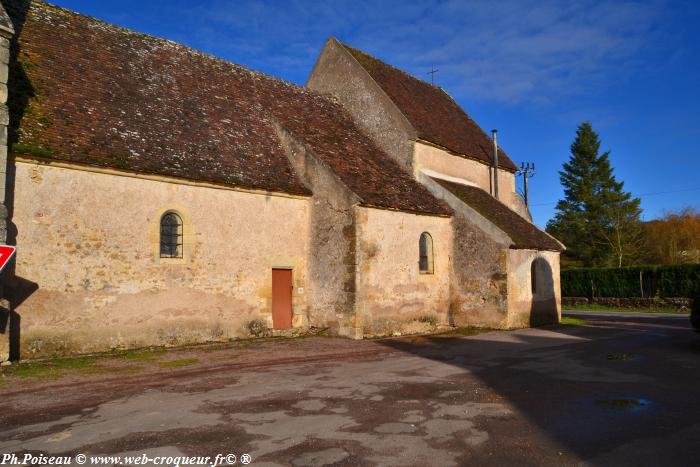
(607, 392)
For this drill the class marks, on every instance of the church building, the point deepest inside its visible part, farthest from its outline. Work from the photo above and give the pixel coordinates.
(161, 196)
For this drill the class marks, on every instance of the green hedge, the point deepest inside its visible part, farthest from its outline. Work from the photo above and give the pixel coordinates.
(656, 281)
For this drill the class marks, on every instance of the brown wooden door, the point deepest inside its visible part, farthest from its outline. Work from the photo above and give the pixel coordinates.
(282, 298)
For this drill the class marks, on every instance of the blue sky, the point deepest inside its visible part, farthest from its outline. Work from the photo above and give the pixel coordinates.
(534, 70)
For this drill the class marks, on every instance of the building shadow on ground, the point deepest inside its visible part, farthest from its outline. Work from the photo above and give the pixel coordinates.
(589, 388)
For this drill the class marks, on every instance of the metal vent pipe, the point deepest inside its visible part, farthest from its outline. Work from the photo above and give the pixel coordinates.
(495, 163)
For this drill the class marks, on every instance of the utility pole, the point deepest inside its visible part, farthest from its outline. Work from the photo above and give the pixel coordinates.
(527, 170)
(432, 75)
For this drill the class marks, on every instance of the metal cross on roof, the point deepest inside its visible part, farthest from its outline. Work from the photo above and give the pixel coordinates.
(432, 75)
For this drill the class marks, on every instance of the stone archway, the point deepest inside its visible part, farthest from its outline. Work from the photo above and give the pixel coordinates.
(543, 309)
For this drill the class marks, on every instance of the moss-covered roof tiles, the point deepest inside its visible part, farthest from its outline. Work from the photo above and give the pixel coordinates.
(436, 117)
(87, 92)
(524, 234)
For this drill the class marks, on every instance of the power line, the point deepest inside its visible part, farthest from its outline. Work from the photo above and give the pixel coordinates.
(643, 194)
(667, 192)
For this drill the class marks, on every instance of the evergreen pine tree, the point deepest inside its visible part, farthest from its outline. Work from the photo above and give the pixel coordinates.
(597, 221)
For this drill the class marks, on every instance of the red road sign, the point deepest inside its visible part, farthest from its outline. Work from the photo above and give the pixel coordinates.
(6, 254)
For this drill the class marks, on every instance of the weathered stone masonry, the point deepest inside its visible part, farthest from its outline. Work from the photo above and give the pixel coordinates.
(332, 232)
(6, 34)
(120, 128)
(433, 139)
(112, 129)
(100, 285)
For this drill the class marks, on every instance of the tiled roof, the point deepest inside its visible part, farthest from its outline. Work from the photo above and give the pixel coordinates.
(524, 234)
(88, 92)
(433, 113)
(324, 126)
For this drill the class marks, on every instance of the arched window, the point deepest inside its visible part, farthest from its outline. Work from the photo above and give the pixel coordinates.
(425, 253)
(170, 236)
(533, 276)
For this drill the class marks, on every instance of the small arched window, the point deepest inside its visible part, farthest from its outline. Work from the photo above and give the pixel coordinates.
(425, 253)
(170, 235)
(533, 276)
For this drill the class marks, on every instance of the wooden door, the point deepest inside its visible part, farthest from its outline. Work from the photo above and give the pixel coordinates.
(281, 298)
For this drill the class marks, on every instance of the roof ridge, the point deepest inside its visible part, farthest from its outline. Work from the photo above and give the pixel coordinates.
(317, 159)
(422, 81)
(413, 96)
(378, 85)
(466, 114)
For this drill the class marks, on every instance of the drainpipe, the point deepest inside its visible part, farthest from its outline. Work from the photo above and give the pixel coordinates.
(495, 163)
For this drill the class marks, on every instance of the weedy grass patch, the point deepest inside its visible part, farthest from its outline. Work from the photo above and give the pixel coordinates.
(52, 368)
(570, 321)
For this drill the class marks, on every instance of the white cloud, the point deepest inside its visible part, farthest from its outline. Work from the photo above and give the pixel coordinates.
(513, 52)
(510, 51)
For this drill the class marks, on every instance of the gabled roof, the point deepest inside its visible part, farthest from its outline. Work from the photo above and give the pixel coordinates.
(436, 117)
(524, 234)
(87, 92)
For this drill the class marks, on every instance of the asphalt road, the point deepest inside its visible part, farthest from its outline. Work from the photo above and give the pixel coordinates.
(612, 392)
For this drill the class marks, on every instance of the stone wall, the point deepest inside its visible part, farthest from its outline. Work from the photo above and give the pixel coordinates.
(6, 33)
(332, 260)
(479, 289)
(393, 296)
(490, 283)
(363, 264)
(430, 157)
(89, 277)
(526, 308)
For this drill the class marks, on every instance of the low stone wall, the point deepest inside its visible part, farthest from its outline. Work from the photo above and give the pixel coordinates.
(574, 301)
(680, 303)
